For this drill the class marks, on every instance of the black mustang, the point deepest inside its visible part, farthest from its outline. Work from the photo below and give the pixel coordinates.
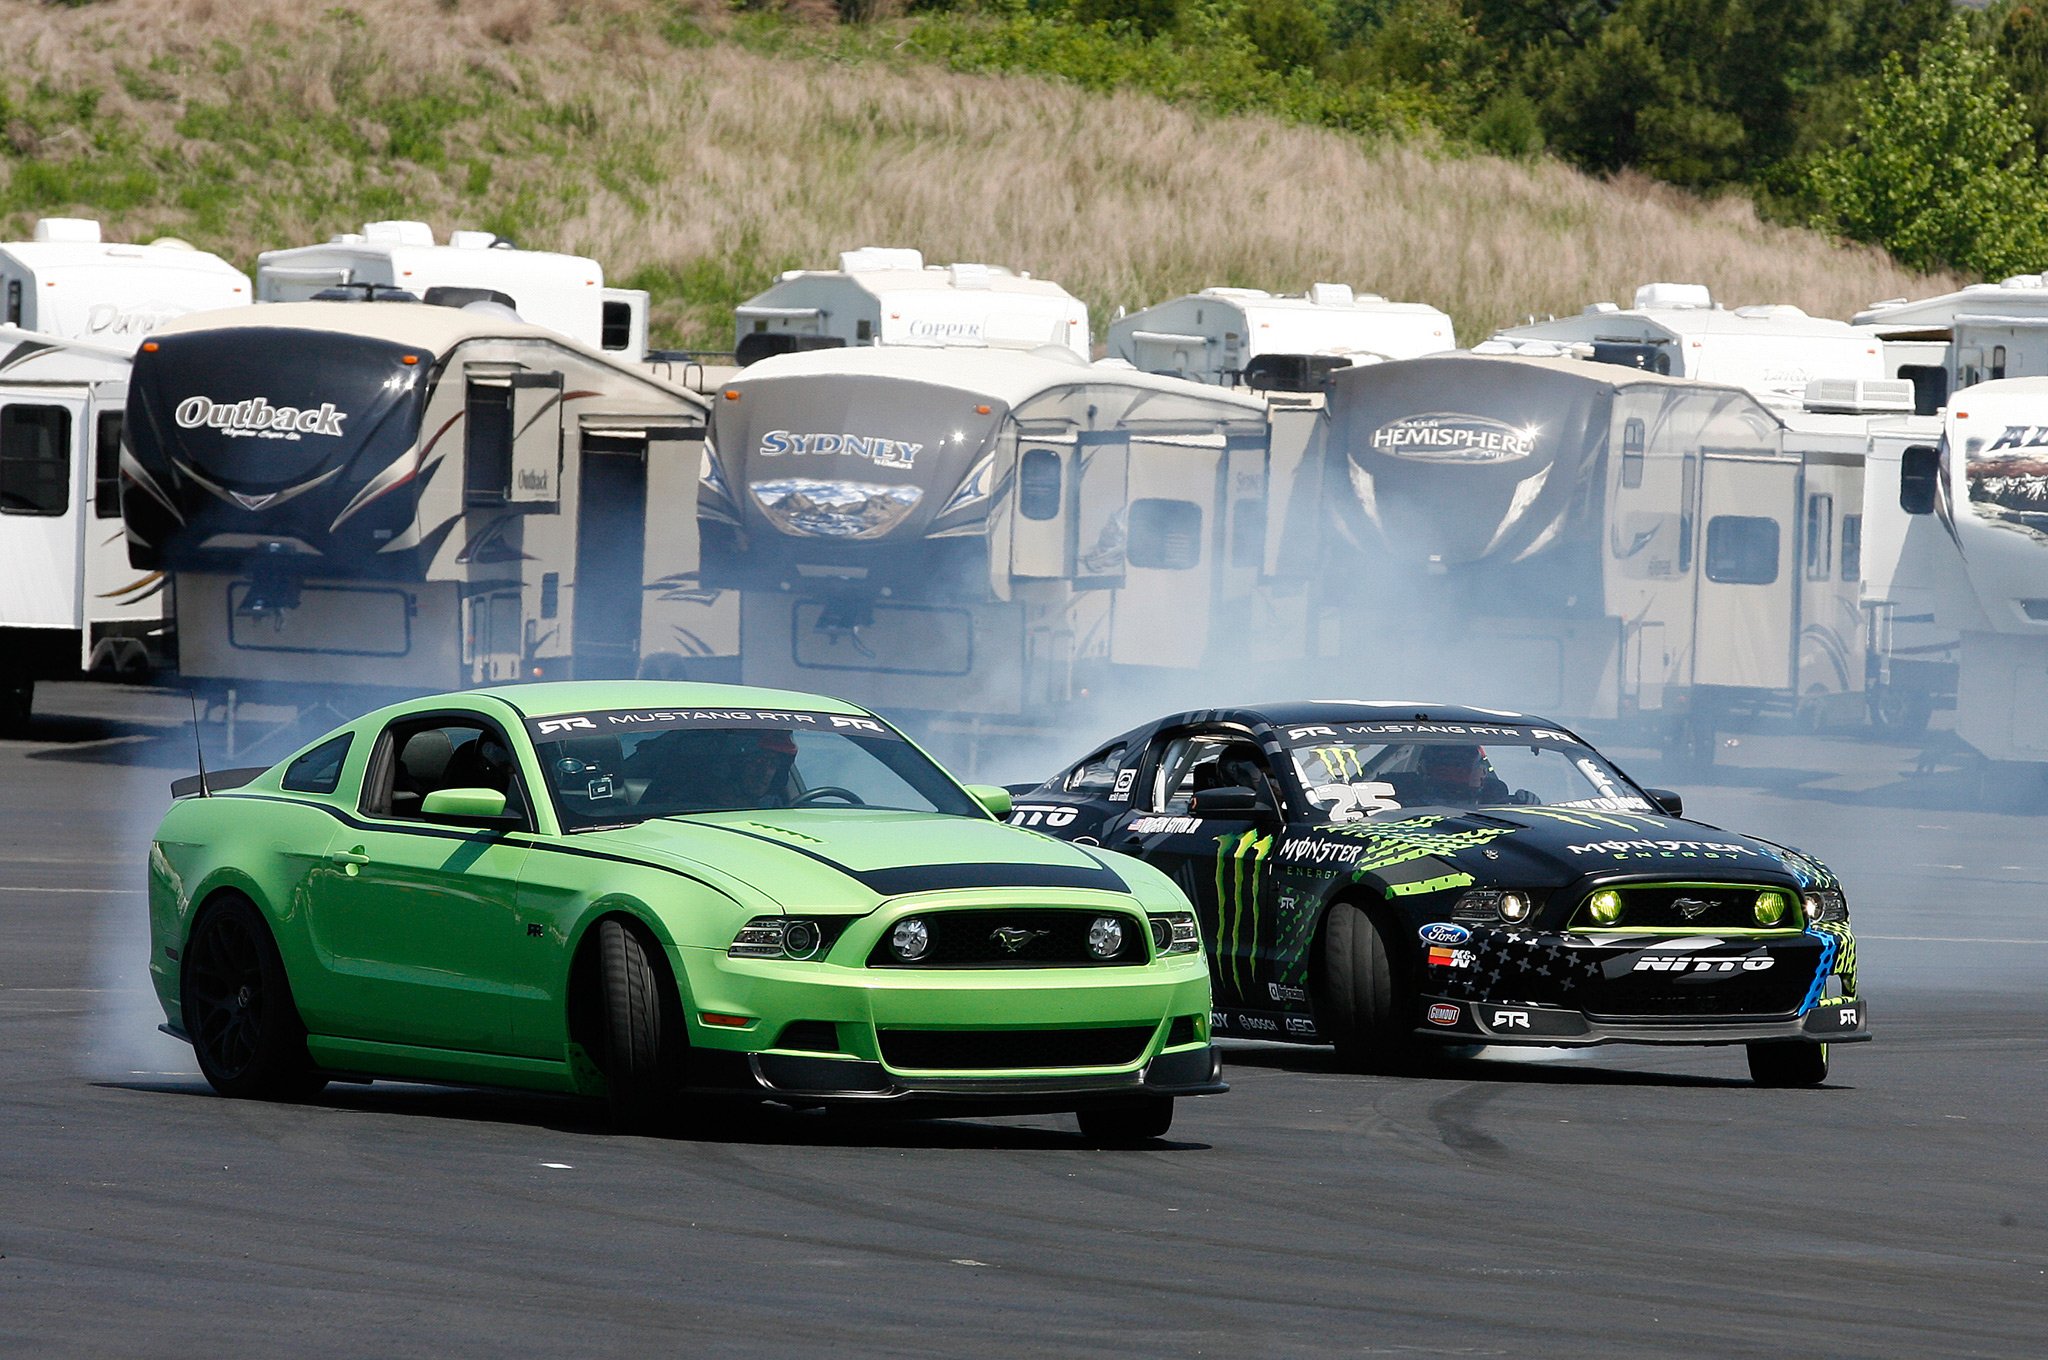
(1380, 876)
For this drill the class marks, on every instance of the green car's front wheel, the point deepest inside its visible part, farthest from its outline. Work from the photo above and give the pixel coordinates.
(238, 1008)
(1788, 1062)
(643, 1031)
(1136, 1120)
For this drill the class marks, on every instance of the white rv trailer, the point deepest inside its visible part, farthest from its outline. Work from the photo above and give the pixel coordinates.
(1578, 539)
(564, 293)
(68, 283)
(69, 601)
(1219, 334)
(884, 295)
(982, 535)
(1980, 333)
(1773, 351)
(393, 498)
(1980, 497)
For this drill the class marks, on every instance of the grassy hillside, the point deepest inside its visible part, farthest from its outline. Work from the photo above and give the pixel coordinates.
(695, 154)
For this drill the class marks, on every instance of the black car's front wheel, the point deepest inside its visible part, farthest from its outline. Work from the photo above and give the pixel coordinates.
(1788, 1062)
(1126, 1123)
(1363, 1004)
(238, 1009)
(644, 1036)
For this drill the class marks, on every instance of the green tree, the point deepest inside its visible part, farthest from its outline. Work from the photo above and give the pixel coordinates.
(1940, 166)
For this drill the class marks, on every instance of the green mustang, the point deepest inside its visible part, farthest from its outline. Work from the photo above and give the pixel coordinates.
(651, 891)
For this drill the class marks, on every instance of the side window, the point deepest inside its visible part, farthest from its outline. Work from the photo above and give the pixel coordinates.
(1193, 763)
(106, 467)
(1096, 774)
(420, 757)
(1165, 534)
(35, 460)
(487, 444)
(1742, 550)
(1852, 547)
(1632, 446)
(1038, 484)
(319, 770)
(1820, 537)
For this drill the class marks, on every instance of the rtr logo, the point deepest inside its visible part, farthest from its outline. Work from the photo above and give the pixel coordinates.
(565, 725)
(1511, 1019)
(1847, 1018)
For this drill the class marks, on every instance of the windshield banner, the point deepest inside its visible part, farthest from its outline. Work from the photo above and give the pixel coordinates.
(565, 726)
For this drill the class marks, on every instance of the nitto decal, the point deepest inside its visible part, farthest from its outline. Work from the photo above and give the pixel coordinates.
(257, 417)
(1702, 963)
(1443, 1013)
(1444, 932)
(1043, 814)
(888, 453)
(1450, 437)
(1240, 860)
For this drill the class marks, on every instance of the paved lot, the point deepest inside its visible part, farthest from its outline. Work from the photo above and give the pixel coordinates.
(1625, 1203)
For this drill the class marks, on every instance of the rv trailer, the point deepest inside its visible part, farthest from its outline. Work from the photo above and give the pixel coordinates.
(1677, 329)
(981, 535)
(883, 295)
(1247, 337)
(1573, 538)
(69, 601)
(1980, 333)
(388, 497)
(564, 293)
(1979, 496)
(68, 283)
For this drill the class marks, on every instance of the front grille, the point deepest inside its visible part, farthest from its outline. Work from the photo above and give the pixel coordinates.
(1775, 991)
(1714, 906)
(989, 1050)
(1054, 938)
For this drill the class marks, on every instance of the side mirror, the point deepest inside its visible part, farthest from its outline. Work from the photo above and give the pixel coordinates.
(1919, 478)
(1668, 803)
(995, 800)
(1232, 801)
(465, 807)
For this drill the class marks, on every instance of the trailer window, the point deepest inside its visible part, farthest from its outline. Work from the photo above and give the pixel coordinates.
(1632, 442)
(1742, 550)
(1165, 534)
(487, 445)
(14, 302)
(1852, 547)
(1038, 484)
(1930, 387)
(35, 460)
(106, 467)
(1820, 537)
(617, 326)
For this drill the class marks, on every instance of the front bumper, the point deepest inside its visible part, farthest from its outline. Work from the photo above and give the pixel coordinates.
(814, 1079)
(1840, 1020)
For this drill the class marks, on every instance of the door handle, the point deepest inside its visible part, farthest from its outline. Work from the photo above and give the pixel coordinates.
(348, 857)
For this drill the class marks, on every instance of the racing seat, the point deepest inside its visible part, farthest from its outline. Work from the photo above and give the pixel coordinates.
(422, 768)
(480, 764)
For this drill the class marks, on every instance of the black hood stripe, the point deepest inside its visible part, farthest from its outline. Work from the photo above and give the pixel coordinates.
(915, 878)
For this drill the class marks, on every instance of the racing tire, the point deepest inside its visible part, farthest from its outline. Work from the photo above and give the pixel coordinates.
(1363, 1004)
(1127, 1123)
(17, 697)
(1788, 1062)
(1901, 711)
(237, 1007)
(643, 1032)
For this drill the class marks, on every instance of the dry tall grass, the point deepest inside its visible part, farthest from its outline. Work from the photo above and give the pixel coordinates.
(577, 121)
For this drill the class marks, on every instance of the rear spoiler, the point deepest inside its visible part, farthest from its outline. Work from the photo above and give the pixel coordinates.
(214, 781)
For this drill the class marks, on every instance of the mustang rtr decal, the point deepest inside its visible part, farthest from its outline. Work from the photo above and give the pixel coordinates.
(665, 719)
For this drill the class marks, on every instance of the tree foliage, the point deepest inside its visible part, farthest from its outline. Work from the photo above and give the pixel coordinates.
(1940, 165)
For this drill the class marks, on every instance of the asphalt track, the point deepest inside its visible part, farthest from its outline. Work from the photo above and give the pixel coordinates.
(1626, 1203)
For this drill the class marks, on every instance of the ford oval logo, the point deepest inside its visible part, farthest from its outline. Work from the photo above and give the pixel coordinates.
(1443, 932)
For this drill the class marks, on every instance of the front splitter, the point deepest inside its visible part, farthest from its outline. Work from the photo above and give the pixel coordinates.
(1836, 1021)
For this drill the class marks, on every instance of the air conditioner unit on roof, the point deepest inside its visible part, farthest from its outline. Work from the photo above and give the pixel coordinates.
(1858, 396)
(397, 233)
(1674, 295)
(872, 259)
(77, 230)
(1331, 295)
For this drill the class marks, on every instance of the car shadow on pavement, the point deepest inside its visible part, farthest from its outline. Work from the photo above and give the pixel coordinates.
(718, 1122)
(1563, 1072)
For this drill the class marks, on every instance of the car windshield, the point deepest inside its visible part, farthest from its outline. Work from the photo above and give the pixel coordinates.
(1354, 771)
(617, 767)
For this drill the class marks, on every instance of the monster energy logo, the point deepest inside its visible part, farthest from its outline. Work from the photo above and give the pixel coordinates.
(1240, 859)
(1339, 761)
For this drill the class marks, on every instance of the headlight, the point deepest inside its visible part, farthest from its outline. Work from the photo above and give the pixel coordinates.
(1827, 904)
(777, 937)
(1604, 907)
(1770, 908)
(1485, 905)
(910, 939)
(1105, 937)
(1175, 932)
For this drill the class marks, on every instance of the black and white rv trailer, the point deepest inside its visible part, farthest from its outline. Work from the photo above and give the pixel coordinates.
(982, 534)
(390, 497)
(1579, 539)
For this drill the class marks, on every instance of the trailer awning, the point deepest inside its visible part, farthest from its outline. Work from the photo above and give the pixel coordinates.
(1168, 338)
(778, 313)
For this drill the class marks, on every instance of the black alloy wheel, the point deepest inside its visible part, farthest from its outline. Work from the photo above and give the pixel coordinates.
(238, 1010)
(1126, 1123)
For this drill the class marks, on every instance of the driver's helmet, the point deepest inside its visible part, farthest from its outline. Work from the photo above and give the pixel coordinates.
(1240, 768)
(761, 761)
(1454, 765)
